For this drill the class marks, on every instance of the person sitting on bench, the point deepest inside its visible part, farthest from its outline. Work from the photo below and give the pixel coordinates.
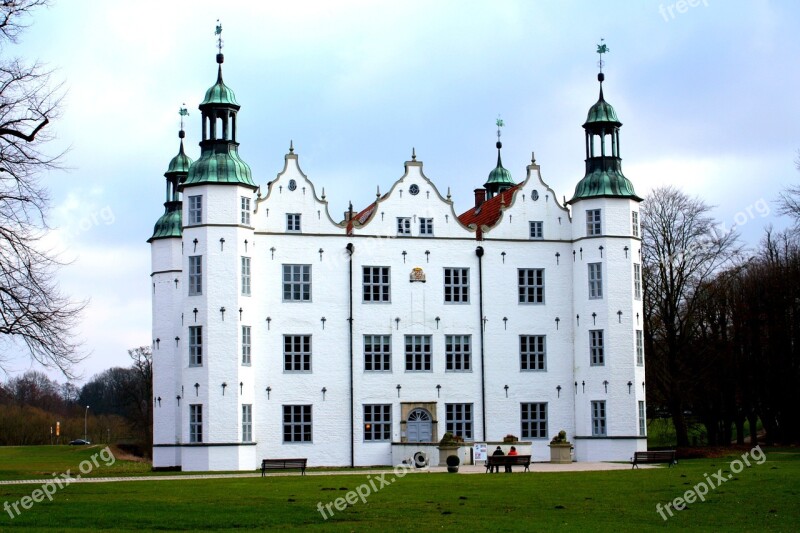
(498, 451)
(512, 451)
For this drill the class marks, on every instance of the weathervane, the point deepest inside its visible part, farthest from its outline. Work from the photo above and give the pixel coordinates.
(218, 33)
(183, 112)
(500, 124)
(602, 48)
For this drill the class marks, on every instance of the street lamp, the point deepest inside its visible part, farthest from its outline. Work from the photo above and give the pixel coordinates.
(85, 414)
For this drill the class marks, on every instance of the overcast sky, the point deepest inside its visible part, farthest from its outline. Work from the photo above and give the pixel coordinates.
(706, 90)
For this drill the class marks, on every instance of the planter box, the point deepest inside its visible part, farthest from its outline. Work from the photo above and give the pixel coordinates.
(560, 453)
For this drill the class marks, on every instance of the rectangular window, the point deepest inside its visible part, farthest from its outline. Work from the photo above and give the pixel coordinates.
(418, 353)
(532, 354)
(296, 283)
(195, 345)
(459, 419)
(531, 285)
(637, 281)
(536, 229)
(595, 281)
(293, 222)
(639, 347)
(635, 223)
(403, 226)
(642, 420)
(246, 345)
(195, 423)
(599, 418)
(376, 284)
(534, 420)
(297, 353)
(247, 422)
(456, 285)
(377, 353)
(426, 226)
(195, 275)
(196, 209)
(378, 422)
(596, 355)
(245, 276)
(245, 210)
(458, 353)
(296, 423)
(593, 226)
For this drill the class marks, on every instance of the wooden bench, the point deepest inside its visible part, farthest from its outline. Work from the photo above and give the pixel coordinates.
(656, 456)
(507, 460)
(283, 464)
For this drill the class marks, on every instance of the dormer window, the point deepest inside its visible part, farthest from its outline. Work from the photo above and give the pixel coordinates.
(536, 229)
(293, 222)
(403, 226)
(426, 227)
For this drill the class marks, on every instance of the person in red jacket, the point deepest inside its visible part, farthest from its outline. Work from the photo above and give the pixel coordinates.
(512, 451)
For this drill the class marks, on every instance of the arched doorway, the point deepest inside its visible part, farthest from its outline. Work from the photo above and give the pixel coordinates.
(419, 426)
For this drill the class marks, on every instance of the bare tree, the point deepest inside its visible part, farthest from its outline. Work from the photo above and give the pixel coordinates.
(33, 312)
(683, 249)
(789, 198)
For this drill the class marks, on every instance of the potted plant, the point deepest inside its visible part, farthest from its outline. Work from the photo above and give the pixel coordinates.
(452, 463)
(560, 449)
(448, 446)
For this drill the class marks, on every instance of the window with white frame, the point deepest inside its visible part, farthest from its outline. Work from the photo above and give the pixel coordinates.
(458, 353)
(531, 285)
(293, 222)
(403, 226)
(459, 419)
(376, 284)
(639, 347)
(599, 418)
(378, 422)
(296, 423)
(245, 203)
(195, 275)
(595, 281)
(247, 422)
(245, 276)
(195, 345)
(533, 418)
(593, 225)
(635, 223)
(196, 423)
(296, 283)
(596, 355)
(642, 420)
(297, 353)
(456, 285)
(418, 353)
(532, 355)
(426, 226)
(246, 345)
(196, 209)
(536, 229)
(637, 281)
(377, 353)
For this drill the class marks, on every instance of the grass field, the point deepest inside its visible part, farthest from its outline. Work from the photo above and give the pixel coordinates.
(764, 497)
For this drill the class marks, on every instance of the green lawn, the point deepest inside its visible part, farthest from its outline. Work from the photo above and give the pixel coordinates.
(763, 497)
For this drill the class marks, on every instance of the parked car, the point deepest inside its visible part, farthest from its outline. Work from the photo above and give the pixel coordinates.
(78, 442)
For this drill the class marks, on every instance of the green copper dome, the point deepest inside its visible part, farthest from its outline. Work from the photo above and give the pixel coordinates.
(169, 225)
(180, 163)
(499, 177)
(220, 164)
(219, 93)
(602, 111)
(599, 183)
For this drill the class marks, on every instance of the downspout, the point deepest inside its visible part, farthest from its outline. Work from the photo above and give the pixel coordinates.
(479, 253)
(350, 251)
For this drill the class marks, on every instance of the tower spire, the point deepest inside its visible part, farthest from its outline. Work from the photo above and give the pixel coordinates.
(602, 48)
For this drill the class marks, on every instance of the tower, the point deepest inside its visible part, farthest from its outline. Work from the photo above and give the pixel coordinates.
(607, 295)
(166, 271)
(499, 178)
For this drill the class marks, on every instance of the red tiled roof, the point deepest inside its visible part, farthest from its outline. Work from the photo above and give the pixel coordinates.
(488, 213)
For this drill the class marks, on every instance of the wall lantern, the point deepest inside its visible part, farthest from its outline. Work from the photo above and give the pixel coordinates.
(506, 388)
(269, 389)
(438, 388)
(398, 390)
(324, 390)
(558, 388)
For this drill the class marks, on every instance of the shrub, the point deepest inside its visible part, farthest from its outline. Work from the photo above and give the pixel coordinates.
(453, 460)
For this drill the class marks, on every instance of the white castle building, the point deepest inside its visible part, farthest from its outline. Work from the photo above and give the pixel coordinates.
(279, 332)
